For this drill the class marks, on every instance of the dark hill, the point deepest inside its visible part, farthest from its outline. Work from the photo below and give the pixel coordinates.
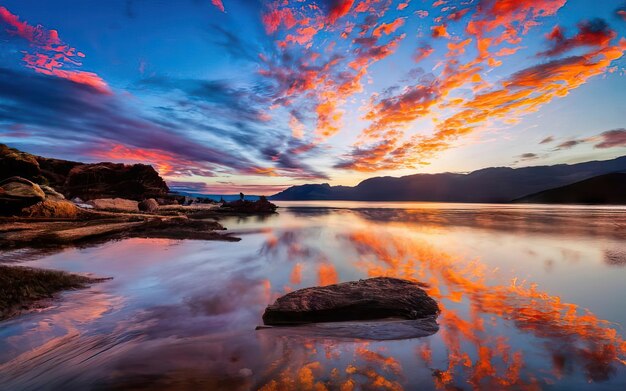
(603, 189)
(496, 184)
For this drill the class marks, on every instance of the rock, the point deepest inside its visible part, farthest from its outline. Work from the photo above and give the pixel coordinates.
(109, 180)
(52, 194)
(56, 170)
(18, 193)
(149, 205)
(61, 209)
(244, 206)
(374, 298)
(116, 204)
(88, 181)
(17, 163)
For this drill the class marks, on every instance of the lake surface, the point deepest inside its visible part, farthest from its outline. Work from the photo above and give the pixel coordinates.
(532, 297)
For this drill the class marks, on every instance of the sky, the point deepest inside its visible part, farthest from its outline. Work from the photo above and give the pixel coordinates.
(222, 96)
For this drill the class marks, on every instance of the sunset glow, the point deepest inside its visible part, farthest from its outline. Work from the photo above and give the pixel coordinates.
(278, 93)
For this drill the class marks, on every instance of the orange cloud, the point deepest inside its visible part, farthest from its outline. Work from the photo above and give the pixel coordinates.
(494, 22)
(51, 54)
(275, 17)
(423, 52)
(218, 4)
(327, 274)
(595, 33)
(165, 163)
(388, 28)
(439, 31)
(296, 274)
(338, 9)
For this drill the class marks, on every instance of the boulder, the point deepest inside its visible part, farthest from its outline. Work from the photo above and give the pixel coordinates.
(18, 193)
(110, 180)
(61, 209)
(115, 204)
(149, 205)
(374, 298)
(17, 163)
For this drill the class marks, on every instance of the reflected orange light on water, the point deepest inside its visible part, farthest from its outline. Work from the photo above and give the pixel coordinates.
(474, 303)
(589, 341)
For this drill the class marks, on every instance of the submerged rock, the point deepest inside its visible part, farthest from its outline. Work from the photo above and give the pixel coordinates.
(374, 298)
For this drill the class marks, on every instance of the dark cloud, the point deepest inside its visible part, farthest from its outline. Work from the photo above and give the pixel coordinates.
(528, 156)
(241, 112)
(547, 140)
(59, 110)
(569, 144)
(595, 33)
(612, 138)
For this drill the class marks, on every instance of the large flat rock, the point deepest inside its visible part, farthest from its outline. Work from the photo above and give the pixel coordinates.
(374, 298)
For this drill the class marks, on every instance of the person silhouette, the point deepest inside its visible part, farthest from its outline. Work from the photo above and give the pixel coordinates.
(241, 196)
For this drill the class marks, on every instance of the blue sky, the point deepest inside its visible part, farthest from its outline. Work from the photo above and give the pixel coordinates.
(268, 94)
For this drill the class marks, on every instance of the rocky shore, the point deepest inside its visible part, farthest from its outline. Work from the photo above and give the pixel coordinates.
(50, 203)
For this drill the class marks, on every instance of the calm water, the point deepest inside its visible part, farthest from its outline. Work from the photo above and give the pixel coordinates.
(531, 297)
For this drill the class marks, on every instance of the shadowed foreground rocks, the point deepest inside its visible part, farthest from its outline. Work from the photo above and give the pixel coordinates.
(87, 181)
(22, 287)
(371, 299)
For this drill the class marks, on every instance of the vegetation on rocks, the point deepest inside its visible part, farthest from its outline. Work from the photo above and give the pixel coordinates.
(22, 287)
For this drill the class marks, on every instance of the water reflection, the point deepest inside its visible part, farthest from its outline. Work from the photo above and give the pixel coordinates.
(181, 315)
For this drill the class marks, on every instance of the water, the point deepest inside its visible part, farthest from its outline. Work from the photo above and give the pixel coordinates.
(531, 297)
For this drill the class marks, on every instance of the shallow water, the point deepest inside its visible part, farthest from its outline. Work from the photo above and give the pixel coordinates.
(531, 297)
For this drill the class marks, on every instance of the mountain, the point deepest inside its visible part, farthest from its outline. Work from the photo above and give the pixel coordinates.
(604, 189)
(489, 185)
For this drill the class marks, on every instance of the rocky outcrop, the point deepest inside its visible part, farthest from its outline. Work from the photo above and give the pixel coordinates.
(115, 204)
(17, 193)
(111, 180)
(56, 170)
(17, 163)
(87, 181)
(261, 206)
(374, 298)
(150, 205)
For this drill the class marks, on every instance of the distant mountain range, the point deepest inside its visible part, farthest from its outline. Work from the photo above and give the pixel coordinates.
(604, 189)
(489, 185)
